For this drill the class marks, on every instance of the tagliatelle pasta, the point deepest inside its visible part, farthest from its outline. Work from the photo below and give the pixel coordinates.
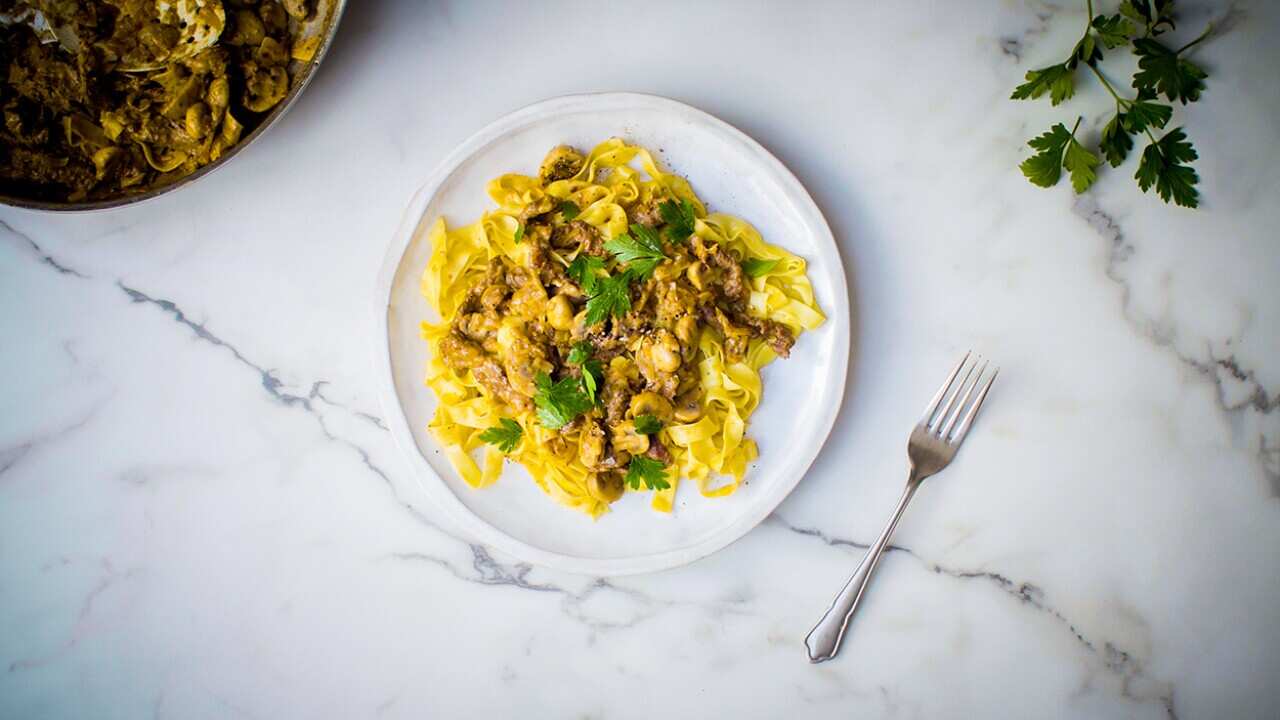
(601, 329)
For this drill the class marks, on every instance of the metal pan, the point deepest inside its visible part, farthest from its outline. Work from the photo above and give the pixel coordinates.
(324, 24)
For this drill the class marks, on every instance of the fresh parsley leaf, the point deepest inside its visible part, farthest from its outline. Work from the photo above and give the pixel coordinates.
(647, 237)
(1058, 148)
(560, 402)
(648, 471)
(641, 250)
(580, 352)
(585, 270)
(592, 372)
(647, 424)
(505, 435)
(1114, 31)
(1156, 19)
(755, 267)
(1057, 80)
(592, 376)
(679, 219)
(1082, 164)
(612, 297)
(1164, 164)
(519, 236)
(642, 269)
(569, 210)
(1045, 167)
(1085, 51)
(641, 244)
(1136, 10)
(1143, 113)
(1162, 70)
(1115, 143)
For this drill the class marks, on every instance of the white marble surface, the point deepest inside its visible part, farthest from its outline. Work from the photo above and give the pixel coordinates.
(202, 515)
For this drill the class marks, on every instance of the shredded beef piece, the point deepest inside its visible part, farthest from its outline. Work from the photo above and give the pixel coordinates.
(616, 397)
(577, 235)
(647, 213)
(658, 451)
(461, 355)
(775, 334)
(550, 271)
(732, 285)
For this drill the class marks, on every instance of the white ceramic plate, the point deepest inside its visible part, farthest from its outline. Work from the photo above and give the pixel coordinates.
(731, 173)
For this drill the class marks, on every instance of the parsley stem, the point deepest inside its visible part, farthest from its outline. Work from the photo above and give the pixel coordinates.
(1150, 17)
(1067, 146)
(1203, 36)
(1103, 79)
(1088, 25)
(1120, 103)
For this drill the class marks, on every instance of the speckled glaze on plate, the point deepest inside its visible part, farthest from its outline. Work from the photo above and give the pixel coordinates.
(731, 173)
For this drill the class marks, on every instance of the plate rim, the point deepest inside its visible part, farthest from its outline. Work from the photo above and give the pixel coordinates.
(463, 518)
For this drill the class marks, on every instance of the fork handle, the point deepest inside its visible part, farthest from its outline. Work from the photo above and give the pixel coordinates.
(823, 641)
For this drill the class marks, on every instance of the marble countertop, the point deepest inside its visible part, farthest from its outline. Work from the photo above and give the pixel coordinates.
(202, 514)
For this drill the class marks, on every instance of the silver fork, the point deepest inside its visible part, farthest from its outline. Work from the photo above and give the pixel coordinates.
(933, 443)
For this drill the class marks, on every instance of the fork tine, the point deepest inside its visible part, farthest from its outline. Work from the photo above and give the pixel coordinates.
(951, 401)
(933, 404)
(973, 410)
(964, 401)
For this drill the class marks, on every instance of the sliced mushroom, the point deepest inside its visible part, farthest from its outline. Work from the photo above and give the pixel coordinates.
(662, 350)
(651, 403)
(197, 121)
(493, 296)
(688, 406)
(264, 86)
(627, 439)
(247, 29)
(297, 8)
(686, 331)
(560, 313)
(605, 486)
(219, 94)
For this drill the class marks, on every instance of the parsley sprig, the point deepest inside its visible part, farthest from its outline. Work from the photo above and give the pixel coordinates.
(580, 352)
(1164, 165)
(652, 473)
(592, 378)
(505, 435)
(612, 297)
(585, 270)
(1167, 72)
(560, 402)
(679, 219)
(1059, 148)
(1161, 71)
(641, 250)
(647, 424)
